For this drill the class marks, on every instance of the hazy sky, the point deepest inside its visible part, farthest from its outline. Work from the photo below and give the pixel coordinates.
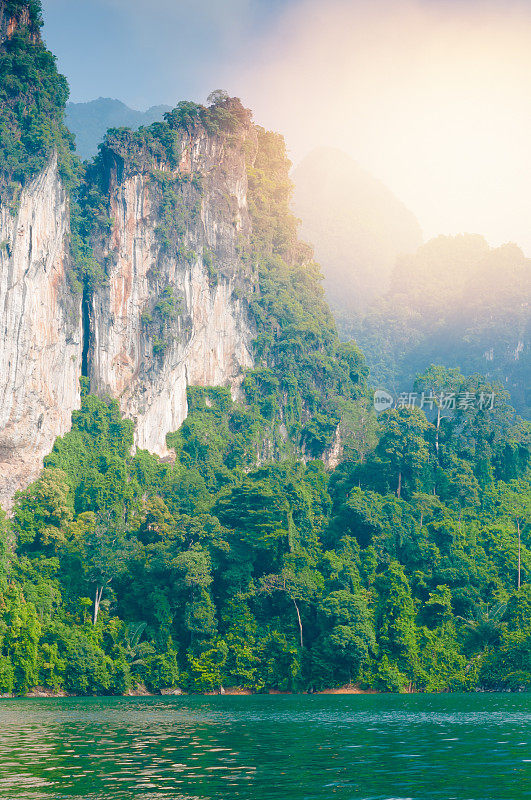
(431, 96)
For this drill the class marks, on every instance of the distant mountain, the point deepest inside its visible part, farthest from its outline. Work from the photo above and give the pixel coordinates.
(90, 121)
(356, 225)
(455, 302)
(452, 301)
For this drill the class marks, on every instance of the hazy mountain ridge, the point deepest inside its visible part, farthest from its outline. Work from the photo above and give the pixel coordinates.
(454, 300)
(90, 121)
(356, 225)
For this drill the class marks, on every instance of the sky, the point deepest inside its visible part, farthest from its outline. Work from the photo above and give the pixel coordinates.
(431, 96)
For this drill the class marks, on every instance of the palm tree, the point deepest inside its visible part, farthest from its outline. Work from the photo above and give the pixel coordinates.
(135, 650)
(485, 628)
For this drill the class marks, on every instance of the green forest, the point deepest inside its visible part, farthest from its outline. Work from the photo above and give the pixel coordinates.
(119, 569)
(248, 562)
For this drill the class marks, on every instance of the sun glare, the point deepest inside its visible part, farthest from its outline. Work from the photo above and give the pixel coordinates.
(433, 102)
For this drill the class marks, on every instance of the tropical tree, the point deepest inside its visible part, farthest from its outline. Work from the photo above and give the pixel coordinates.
(484, 629)
(403, 448)
(515, 502)
(105, 549)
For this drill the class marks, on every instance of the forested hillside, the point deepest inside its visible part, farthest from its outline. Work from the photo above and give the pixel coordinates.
(456, 302)
(32, 101)
(292, 540)
(398, 570)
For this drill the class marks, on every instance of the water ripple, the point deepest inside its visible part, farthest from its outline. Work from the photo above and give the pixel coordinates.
(469, 747)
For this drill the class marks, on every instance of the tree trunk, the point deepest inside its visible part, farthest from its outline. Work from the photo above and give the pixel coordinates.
(97, 601)
(399, 487)
(437, 430)
(299, 619)
(519, 555)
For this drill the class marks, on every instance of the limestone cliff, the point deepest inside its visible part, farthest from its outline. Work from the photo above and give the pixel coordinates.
(40, 346)
(182, 267)
(173, 311)
(190, 265)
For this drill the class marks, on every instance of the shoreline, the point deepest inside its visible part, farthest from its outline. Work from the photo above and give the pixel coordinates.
(42, 692)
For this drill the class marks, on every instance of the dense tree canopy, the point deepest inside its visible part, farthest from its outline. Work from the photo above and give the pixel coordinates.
(33, 97)
(217, 571)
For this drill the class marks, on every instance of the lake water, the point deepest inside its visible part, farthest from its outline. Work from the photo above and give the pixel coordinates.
(370, 747)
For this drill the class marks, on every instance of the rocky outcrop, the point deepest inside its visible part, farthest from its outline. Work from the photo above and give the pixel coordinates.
(174, 310)
(17, 17)
(40, 346)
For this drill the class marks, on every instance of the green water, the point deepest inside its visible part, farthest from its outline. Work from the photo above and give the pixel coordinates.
(467, 747)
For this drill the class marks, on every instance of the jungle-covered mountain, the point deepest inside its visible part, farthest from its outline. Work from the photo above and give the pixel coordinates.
(456, 302)
(453, 300)
(286, 538)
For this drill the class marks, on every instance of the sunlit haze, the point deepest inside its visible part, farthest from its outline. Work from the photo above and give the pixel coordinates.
(431, 97)
(433, 101)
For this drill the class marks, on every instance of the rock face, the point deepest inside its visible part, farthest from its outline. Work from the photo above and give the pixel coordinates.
(174, 311)
(40, 346)
(166, 230)
(10, 20)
